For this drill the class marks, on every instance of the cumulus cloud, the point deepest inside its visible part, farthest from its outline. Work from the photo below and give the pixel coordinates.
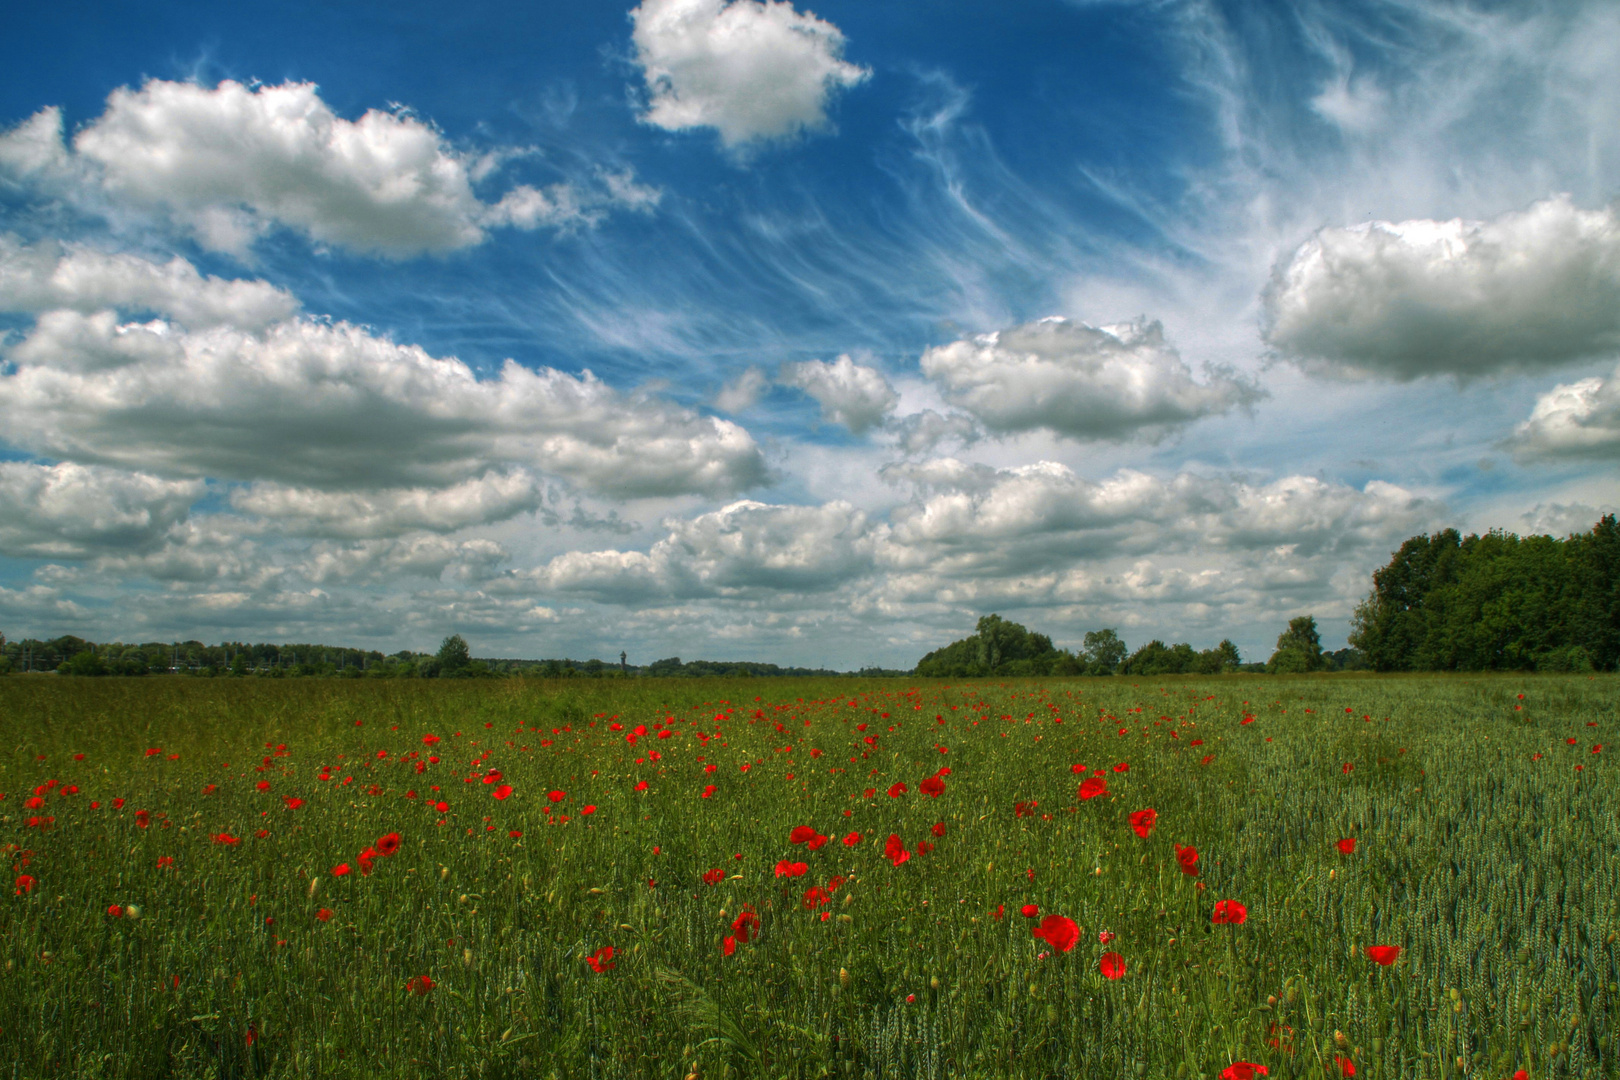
(921, 432)
(231, 162)
(390, 512)
(69, 511)
(851, 394)
(305, 403)
(47, 275)
(745, 548)
(419, 556)
(1085, 382)
(1562, 519)
(1577, 420)
(1525, 291)
(972, 520)
(743, 391)
(749, 70)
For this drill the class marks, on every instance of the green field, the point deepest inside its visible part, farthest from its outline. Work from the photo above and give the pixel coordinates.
(1495, 871)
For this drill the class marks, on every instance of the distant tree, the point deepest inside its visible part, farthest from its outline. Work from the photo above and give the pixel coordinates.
(998, 647)
(1102, 651)
(1299, 648)
(453, 656)
(83, 663)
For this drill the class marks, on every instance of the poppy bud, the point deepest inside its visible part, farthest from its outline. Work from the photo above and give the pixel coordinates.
(1271, 999)
(1340, 1040)
(843, 978)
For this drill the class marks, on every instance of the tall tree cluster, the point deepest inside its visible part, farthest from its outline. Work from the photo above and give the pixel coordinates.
(1496, 602)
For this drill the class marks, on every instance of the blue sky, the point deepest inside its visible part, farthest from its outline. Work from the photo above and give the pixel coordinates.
(784, 333)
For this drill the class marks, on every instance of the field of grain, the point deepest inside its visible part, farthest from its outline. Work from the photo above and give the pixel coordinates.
(599, 878)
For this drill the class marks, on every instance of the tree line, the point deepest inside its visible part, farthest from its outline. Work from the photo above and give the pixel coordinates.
(1496, 602)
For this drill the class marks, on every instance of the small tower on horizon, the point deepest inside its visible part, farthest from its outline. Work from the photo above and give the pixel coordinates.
(622, 665)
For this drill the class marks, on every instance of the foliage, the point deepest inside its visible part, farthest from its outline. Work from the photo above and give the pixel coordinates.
(1480, 851)
(1156, 658)
(998, 647)
(1496, 602)
(1299, 649)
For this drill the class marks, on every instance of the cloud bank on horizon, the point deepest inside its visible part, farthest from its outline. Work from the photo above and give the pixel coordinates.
(742, 330)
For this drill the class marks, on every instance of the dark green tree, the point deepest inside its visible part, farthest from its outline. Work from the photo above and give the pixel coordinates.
(1299, 648)
(1103, 652)
(453, 657)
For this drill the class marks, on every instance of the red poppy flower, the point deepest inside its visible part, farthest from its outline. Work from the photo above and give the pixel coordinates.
(1383, 954)
(1112, 965)
(1243, 1070)
(263, 785)
(1188, 858)
(441, 806)
(325, 914)
(502, 792)
(115, 910)
(420, 985)
(1143, 821)
(429, 740)
(708, 791)
(728, 946)
(587, 809)
(601, 960)
(165, 861)
(933, 787)
(1347, 846)
(1105, 936)
(1229, 911)
(292, 803)
(997, 914)
(387, 845)
(1029, 911)
(852, 839)
(1059, 931)
(555, 796)
(26, 883)
(1207, 759)
(791, 869)
(800, 834)
(154, 751)
(1346, 1066)
(340, 870)
(227, 839)
(641, 785)
(1122, 767)
(713, 877)
(938, 828)
(1348, 766)
(869, 793)
(745, 925)
(1078, 769)
(897, 789)
(895, 851)
(1093, 787)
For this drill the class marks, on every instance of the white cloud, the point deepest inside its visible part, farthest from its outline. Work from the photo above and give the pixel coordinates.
(231, 162)
(391, 511)
(69, 511)
(743, 391)
(749, 70)
(420, 556)
(1521, 292)
(851, 394)
(746, 548)
(1084, 382)
(921, 432)
(1562, 519)
(331, 406)
(47, 275)
(1577, 420)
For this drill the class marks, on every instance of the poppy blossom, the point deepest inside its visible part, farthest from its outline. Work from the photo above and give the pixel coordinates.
(1122, 767)
(263, 785)
(165, 861)
(420, 985)
(1229, 911)
(800, 834)
(1143, 821)
(292, 802)
(852, 839)
(938, 828)
(1346, 1066)
(1029, 911)
(502, 792)
(1105, 936)
(1347, 846)
(933, 787)
(1383, 954)
(713, 877)
(227, 839)
(791, 869)
(728, 946)
(708, 791)
(325, 914)
(897, 789)
(999, 912)
(895, 851)
(1207, 759)
(1078, 769)
(387, 845)
(869, 793)
(601, 960)
(115, 910)
(641, 785)
(587, 809)
(556, 796)
(1093, 787)
(1059, 931)
(1243, 1070)
(26, 883)
(745, 925)
(340, 870)
(1188, 858)
(1348, 766)
(1112, 965)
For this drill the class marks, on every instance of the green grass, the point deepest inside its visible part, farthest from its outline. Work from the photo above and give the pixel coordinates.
(1496, 874)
